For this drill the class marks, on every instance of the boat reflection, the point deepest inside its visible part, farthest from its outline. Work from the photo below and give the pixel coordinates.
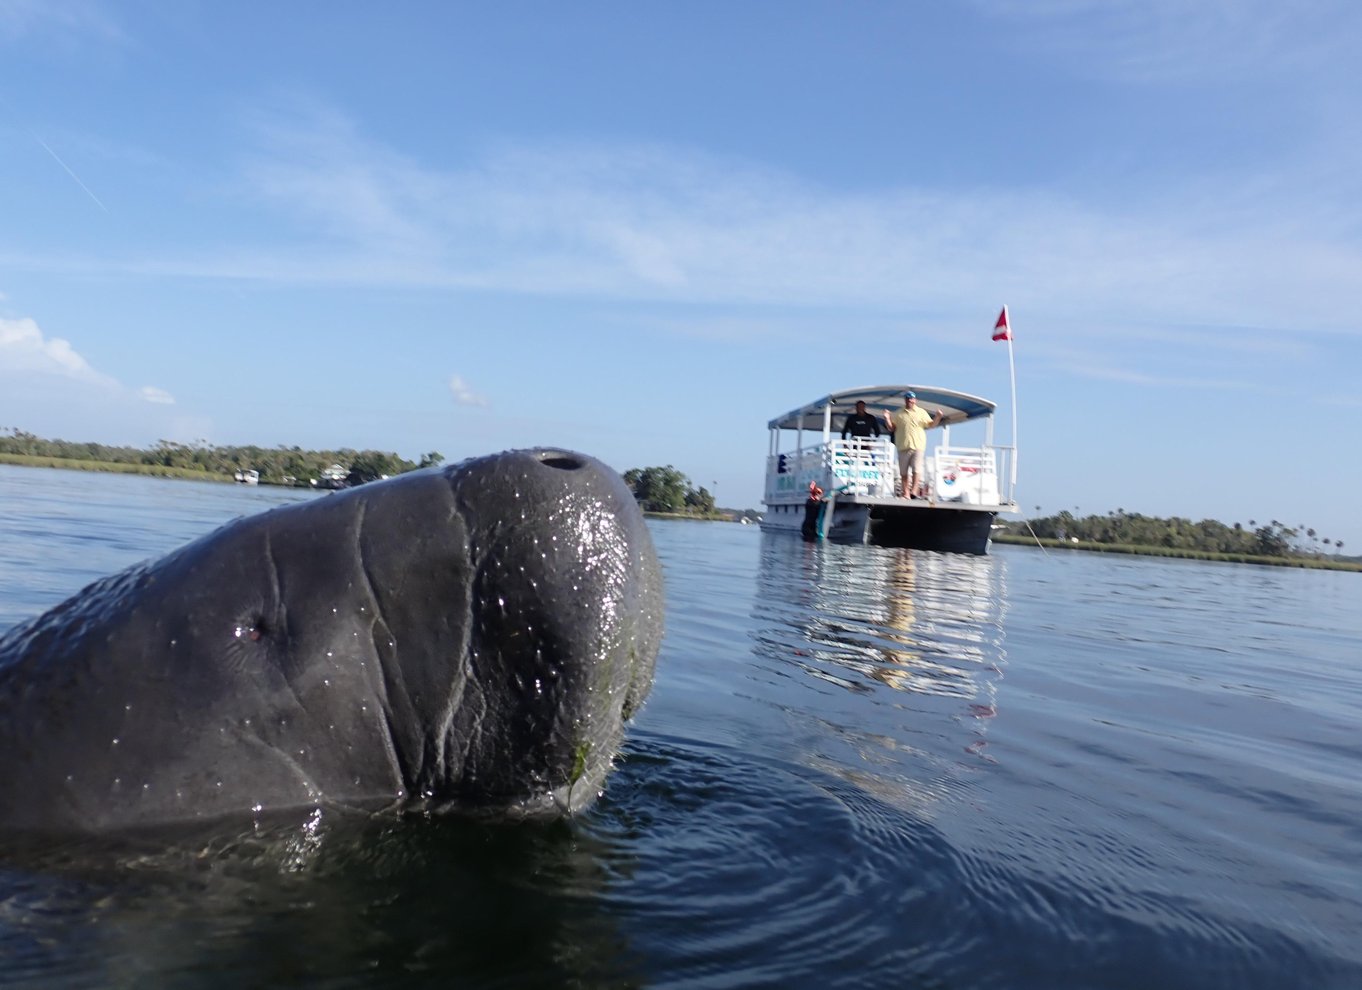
(928, 626)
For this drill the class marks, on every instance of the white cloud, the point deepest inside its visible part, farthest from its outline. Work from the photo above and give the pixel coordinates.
(661, 224)
(464, 395)
(27, 353)
(24, 20)
(24, 349)
(47, 386)
(1158, 41)
(324, 173)
(627, 223)
(160, 396)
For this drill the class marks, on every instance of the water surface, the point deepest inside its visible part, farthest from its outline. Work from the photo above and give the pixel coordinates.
(859, 767)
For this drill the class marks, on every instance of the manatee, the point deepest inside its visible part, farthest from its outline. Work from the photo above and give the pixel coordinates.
(469, 639)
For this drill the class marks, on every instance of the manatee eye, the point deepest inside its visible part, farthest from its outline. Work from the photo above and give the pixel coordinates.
(255, 630)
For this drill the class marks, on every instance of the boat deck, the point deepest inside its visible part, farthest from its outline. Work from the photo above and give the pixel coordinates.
(896, 502)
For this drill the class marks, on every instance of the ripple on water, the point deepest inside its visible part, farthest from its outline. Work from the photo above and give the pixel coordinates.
(785, 872)
(859, 767)
(751, 872)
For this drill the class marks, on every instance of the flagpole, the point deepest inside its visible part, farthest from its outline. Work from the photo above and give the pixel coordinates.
(1012, 369)
(1002, 330)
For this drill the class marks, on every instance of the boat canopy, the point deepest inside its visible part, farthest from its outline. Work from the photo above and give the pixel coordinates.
(958, 407)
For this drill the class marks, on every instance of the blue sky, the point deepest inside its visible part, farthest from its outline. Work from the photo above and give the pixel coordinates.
(641, 230)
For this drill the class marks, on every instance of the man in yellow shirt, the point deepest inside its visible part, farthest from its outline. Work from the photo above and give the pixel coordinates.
(910, 425)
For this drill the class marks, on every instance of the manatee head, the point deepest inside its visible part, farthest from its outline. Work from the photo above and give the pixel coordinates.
(467, 639)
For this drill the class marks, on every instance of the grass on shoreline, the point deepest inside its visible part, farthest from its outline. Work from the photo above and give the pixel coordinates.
(110, 467)
(694, 516)
(1317, 563)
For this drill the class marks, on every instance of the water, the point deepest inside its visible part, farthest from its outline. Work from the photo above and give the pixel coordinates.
(859, 767)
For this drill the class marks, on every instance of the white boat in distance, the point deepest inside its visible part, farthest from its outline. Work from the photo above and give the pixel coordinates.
(964, 489)
(248, 477)
(334, 477)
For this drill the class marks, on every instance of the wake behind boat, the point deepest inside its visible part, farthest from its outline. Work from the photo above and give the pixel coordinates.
(963, 492)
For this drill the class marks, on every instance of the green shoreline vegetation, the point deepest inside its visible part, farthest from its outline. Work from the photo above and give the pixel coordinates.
(202, 461)
(111, 467)
(1273, 543)
(1318, 563)
(661, 491)
(664, 492)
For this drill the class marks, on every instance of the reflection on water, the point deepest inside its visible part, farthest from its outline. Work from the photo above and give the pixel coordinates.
(858, 617)
(912, 644)
(339, 900)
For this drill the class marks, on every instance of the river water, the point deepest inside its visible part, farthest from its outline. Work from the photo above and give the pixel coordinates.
(859, 767)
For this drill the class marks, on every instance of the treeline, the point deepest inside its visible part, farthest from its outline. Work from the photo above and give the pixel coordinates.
(1270, 539)
(665, 489)
(276, 465)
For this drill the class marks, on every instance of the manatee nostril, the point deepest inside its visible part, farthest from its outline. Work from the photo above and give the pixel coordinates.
(560, 459)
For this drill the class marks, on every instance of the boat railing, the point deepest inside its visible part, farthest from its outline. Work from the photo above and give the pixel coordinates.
(862, 466)
(869, 466)
(965, 474)
(858, 466)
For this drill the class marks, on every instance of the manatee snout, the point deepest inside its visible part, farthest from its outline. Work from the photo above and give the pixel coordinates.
(567, 618)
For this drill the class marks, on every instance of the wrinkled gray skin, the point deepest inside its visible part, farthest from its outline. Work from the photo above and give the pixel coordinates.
(468, 639)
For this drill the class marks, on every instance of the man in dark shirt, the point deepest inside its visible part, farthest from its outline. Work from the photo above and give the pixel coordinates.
(860, 423)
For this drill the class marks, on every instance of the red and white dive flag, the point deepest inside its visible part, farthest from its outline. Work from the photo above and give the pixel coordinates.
(1002, 330)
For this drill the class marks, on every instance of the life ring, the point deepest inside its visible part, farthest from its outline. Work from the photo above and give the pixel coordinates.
(953, 475)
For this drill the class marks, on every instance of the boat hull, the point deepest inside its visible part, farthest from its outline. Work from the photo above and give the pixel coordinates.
(916, 524)
(942, 528)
